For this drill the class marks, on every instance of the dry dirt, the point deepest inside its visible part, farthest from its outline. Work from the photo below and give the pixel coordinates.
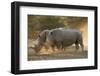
(68, 53)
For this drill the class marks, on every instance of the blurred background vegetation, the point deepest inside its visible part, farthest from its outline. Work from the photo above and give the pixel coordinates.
(38, 23)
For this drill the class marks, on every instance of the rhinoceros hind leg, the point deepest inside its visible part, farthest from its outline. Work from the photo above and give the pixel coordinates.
(77, 45)
(81, 44)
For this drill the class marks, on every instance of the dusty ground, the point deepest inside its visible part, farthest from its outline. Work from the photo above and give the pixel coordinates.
(69, 53)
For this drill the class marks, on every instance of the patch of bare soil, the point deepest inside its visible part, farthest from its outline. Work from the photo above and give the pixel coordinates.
(69, 53)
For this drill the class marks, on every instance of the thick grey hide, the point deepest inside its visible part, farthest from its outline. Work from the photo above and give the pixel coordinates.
(64, 37)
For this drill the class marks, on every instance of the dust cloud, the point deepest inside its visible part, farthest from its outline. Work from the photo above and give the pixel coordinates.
(84, 30)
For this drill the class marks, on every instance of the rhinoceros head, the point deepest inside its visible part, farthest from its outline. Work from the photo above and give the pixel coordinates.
(41, 40)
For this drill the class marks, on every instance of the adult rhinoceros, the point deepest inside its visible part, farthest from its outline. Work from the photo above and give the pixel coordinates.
(65, 37)
(60, 38)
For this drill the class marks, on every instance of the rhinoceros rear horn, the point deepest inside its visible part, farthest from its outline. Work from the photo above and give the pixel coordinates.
(45, 36)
